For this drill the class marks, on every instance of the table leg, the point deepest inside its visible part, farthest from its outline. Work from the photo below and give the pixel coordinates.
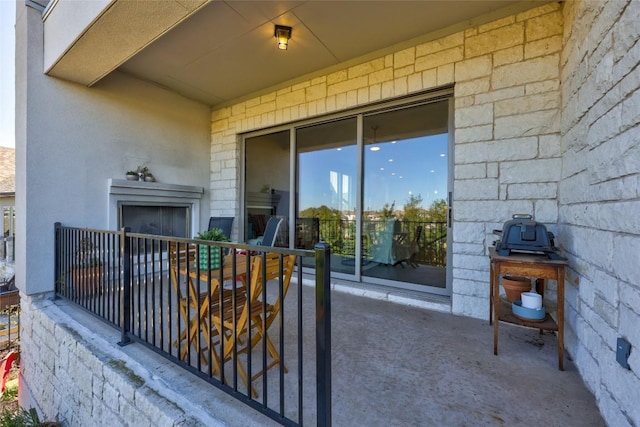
(491, 293)
(561, 318)
(540, 285)
(495, 283)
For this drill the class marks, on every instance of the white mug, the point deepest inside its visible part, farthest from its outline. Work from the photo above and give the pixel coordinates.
(531, 300)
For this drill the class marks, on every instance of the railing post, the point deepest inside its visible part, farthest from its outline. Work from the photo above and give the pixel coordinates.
(323, 332)
(125, 297)
(56, 259)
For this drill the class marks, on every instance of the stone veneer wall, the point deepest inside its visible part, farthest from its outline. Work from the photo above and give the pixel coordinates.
(598, 198)
(77, 382)
(507, 143)
(80, 376)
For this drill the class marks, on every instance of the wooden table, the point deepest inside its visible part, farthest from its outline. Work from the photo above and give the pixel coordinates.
(195, 299)
(528, 265)
(233, 267)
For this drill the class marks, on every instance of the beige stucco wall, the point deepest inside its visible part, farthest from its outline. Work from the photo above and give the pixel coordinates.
(71, 139)
(507, 143)
(599, 198)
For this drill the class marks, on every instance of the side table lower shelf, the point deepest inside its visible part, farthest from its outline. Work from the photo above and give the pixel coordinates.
(507, 316)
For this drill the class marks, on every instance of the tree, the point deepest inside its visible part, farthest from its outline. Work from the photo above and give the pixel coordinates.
(437, 212)
(330, 225)
(413, 212)
(323, 213)
(387, 211)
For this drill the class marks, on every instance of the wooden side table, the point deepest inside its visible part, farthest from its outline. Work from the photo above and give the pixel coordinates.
(527, 265)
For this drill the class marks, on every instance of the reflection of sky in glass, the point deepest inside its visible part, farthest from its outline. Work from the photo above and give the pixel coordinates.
(326, 178)
(396, 171)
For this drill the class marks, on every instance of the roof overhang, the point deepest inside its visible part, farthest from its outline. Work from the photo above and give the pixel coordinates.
(86, 40)
(218, 52)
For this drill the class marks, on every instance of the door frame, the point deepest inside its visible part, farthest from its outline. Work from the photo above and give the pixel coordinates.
(437, 95)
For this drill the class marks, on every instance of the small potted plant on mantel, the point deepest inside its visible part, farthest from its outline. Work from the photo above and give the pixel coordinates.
(145, 174)
(214, 235)
(142, 173)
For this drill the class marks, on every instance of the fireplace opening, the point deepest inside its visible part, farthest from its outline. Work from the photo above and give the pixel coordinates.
(154, 208)
(157, 220)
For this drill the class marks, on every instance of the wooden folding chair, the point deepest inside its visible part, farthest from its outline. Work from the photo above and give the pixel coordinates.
(181, 266)
(248, 313)
(273, 311)
(194, 302)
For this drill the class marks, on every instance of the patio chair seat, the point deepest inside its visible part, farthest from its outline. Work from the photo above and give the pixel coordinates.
(251, 313)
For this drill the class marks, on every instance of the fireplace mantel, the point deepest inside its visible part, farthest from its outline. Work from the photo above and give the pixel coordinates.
(125, 192)
(155, 189)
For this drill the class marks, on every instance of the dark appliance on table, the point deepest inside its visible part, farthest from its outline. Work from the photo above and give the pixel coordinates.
(523, 234)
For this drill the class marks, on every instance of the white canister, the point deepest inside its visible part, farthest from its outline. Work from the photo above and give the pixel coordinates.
(531, 300)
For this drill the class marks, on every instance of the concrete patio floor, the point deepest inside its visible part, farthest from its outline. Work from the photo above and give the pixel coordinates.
(395, 365)
(400, 366)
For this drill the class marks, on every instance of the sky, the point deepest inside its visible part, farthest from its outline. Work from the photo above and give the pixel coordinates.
(7, 72)
(394, 172)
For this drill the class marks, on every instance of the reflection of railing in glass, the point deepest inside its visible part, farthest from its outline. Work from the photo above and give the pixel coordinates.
(307, 232)
(341, 235)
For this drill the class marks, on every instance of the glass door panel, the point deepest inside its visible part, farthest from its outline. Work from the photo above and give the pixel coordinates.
(404, 195)
(266, 185)
(327, 159)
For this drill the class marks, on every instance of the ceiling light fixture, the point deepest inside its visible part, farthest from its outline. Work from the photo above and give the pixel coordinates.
(282, 35)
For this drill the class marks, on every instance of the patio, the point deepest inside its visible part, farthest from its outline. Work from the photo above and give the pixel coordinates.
(393, 365)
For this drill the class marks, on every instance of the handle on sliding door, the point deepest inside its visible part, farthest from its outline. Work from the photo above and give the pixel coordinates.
(450, 210)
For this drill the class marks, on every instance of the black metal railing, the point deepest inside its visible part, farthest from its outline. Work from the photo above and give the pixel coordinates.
(185, 299)
(341, 235)
(10, 317)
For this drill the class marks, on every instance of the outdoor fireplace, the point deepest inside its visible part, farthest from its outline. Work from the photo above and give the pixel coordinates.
(158, 220)
(154, 208)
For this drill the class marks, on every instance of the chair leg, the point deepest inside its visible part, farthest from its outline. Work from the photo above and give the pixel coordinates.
(400, 263)
(238, 363)
(189, 341)
(412, 262)
(245, 379)
(271, 348)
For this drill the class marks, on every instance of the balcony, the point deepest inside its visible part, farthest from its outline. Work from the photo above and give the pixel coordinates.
(389, 364)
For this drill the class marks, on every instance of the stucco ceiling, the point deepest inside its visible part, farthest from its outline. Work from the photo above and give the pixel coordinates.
(227, 50)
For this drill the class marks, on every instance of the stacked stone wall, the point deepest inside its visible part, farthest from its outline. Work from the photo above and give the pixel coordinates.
(599, 197)
(507, 143)
(80, 376)
(76, 383)
(506, 78)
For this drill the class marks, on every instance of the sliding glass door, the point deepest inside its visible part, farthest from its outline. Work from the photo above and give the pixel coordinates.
(327, 157)
(374, 185)
(405, 195)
